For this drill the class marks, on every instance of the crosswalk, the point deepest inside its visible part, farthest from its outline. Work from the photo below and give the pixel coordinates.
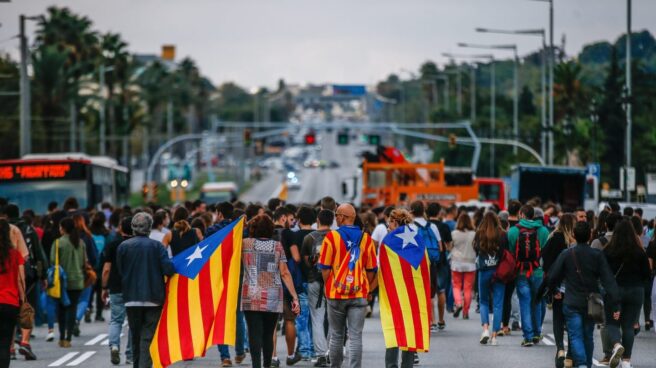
(75, 358)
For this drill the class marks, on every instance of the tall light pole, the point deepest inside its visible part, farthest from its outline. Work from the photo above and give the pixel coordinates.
(512, 47)
(25, 92)
(552, 62)
(102, 71)
(533, 32)
(628, 100)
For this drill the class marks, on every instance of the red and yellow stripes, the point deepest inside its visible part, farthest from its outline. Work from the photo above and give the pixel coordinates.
(200, 313)
(404, 302)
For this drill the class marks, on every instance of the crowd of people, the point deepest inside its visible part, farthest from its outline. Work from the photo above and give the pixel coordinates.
(309, 274)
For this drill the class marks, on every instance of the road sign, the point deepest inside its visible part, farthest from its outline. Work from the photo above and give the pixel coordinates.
(651, 183)
(594, 169)
(630, 177)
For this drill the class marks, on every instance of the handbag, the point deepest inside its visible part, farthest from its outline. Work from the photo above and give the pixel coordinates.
(54, 276)
(595, 300)
(90, 276)
(25, 311)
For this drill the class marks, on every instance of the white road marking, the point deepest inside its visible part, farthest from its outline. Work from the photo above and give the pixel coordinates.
(106, 342)
(81, 359)
(63, 359)
(554, 338)
(95, 339)
(548, 340)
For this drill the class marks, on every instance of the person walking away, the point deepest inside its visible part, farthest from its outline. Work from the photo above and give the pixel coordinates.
(310, 251)
(100, 236)
(510, 300)
(629, 263)
(580, 269)
(157, 232)
(183, 235)
(601, 241)
(84, 302)
(35, 268)
(348, 267)
(72, 258)
(463, 265)
(265, 270)
(442, 270)
(142, 265)
(406, 245)
(525, 241)
(560, 240)
(12, 290)
(111, 290)
(490, 242)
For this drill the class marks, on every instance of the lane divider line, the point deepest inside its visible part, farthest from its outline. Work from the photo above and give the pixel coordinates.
(95, 339)
(63, 359)
(106, 342)
(81, 359)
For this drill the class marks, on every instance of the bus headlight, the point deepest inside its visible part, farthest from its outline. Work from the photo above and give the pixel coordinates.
(184, 183)
(174, 183)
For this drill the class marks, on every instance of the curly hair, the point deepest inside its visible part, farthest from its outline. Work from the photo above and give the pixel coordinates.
(261, 226)
(401, 216)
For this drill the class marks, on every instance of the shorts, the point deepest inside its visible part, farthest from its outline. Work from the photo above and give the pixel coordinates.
(439, 278)
(287, 313)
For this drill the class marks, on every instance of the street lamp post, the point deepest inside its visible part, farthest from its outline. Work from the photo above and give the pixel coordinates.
(102, 71)
(552, 62)
(512, 47)
(25, 92)
(541, 33)
(628, 100)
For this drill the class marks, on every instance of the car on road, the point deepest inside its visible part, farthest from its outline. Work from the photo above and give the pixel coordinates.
(216, 192)
(293, 181)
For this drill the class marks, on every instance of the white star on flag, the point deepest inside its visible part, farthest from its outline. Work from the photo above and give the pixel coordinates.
(197, 254)
(408, 237)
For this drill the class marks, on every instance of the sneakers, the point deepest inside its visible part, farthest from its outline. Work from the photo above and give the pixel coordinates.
(25, 350)
(240, 358)
(115, 356)
(537, 339)
(626, 364)
(416, 361)
(275, 363)
(368, 315)
(485, 337)
(294, 359)
(560, 359)
(226, 363)
(128, 360)
(433, 328)
(456, 313)
(441, 325)
(605, 360)
(321, 362)
(616, 356)
(87, 316)
(515, 326)
(50, 336)
(527, 343)
(493, 342)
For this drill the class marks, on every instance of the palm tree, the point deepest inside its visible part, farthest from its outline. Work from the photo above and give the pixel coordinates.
(115, 55)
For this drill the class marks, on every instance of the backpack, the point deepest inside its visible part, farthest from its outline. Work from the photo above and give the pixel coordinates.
(603, 240)
(527, 250)
(505, 271)
(432, 245)
(346, 280)
(33, 266)
(317, 241)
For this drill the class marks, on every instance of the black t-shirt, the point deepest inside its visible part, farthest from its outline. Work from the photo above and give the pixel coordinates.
(109, 255)
(556, 244)
(651, 250)
(444, 229)
(290, 238)
(311, 248)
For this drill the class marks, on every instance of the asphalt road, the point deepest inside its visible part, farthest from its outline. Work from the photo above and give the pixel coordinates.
(315, 182)
(456, 346)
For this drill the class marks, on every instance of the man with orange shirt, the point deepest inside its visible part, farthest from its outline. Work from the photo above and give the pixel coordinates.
(348, 266)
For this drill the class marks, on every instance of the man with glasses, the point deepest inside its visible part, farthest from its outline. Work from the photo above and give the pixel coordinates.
(348, 266)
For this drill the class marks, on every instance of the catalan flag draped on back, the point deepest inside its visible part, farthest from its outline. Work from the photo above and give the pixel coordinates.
(404, 288)
(201, 298)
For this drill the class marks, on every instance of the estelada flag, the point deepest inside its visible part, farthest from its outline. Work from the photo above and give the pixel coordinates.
(201, 298)
(404, 287)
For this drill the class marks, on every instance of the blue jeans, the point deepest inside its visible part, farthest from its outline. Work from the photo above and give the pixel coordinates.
(303, 326)
(50, 308)
(485, 286)
(579, 330)
(83, 303)
(240, 339)
(530, 313)
(116, 320)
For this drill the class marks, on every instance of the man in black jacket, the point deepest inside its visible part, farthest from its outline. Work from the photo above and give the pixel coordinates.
(144, 293)
(581, 268)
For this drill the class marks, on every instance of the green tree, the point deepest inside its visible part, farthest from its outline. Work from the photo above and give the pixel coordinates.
(612, 122)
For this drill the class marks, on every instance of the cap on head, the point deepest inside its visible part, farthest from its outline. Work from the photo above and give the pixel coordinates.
(142, 223)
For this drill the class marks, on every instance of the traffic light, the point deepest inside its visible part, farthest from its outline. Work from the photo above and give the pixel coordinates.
(144, 192)
(247, 137)
(310, 139)
(154, 192)
(374, 139)
(342, 139)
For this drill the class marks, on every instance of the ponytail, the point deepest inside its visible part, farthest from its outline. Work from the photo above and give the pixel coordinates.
(73, 234)
(182, 226)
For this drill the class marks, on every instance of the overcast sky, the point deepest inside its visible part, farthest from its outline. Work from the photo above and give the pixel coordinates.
(343, 41)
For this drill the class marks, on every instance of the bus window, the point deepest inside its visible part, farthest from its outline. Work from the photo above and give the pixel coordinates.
(376, 179)
(488, 192)
(36, 195)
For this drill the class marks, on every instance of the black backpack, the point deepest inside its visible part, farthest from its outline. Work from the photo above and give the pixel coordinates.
(603, 240)
(527, 250)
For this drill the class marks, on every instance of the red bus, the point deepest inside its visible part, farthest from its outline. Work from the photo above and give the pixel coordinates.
(492, 190)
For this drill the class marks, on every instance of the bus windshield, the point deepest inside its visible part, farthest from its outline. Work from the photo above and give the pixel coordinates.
(36, 195)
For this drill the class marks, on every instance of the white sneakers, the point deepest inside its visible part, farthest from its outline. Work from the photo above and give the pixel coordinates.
(50, 336)
(494, 341)
(616, 357)
(626, 364)
(485, 337)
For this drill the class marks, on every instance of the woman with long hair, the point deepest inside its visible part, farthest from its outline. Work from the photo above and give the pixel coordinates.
(559, 240)
(463, 264)
(490, 242)
(265, 269)
(183, 235)
(86, 298)
(628, 262)
(100, 236)
(12, 290)
(72, 258)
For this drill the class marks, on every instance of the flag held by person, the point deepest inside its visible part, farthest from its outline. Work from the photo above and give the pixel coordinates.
(201, 298)
(404, 286)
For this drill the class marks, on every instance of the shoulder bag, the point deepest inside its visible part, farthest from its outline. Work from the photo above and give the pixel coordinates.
(595, 300)
(25, 311)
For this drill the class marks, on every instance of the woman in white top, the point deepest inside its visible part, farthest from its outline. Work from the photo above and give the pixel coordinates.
(463, 264)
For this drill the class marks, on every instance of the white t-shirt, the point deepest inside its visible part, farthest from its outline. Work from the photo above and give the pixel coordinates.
(379, 233)
(156, 234)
